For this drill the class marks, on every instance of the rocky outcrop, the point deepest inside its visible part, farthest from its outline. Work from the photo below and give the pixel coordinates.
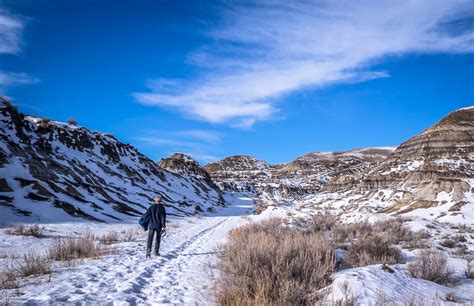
(53, 171)
(180, 163)
(305, 175)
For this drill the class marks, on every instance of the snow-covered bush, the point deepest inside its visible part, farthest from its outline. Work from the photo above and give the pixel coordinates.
(433, 266)
(270, 264)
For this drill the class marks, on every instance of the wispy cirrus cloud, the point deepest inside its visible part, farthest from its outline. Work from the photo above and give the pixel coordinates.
(196, 143)
(11, 30)
(11, 78)
(262, 52)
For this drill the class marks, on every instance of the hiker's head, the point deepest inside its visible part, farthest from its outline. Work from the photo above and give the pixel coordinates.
(158, 199)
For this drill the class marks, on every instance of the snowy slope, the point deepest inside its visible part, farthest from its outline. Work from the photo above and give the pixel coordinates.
(55, 172)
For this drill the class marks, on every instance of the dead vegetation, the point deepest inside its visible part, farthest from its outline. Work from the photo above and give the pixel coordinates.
(31, 264)
(270, 264)
(367, 243)
(433, 266)
(72, 248)
(22, 230)
(109, 238)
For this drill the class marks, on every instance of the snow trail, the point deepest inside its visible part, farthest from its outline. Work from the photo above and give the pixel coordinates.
(183, 274)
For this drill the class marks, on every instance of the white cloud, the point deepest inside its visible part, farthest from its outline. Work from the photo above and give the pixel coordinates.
(10, 78)
(11, 28)
(196, 143)
(10, 33)
(261, 52)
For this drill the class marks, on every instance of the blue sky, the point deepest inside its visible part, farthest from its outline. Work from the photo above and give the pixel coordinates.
(213, 79)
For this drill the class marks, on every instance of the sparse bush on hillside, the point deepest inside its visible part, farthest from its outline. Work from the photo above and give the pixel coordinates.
(72, 122)
(44, 123)
(269, 264)
(22, 230)
(432, 266)
(71, 248)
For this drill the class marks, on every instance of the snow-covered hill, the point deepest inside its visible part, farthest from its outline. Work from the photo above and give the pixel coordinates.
(52, 172)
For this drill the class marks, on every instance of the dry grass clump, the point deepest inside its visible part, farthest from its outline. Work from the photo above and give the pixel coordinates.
(432, 266)
(30, 264)
(21, 230)
(4, 299)
(270, 264)
(71, 248)
(131, 234)
(33, 264)
(9, 279)
(109, 238)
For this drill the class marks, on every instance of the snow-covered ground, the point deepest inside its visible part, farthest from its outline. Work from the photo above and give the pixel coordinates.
(183, 274)
(186, 271)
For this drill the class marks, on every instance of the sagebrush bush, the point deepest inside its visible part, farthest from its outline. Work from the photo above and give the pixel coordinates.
(71, 248)
(21, 230)
(433, 266)
(372, 249)
(269, 264)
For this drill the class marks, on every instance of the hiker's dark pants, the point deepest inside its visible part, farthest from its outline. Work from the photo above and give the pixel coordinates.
(151, 233)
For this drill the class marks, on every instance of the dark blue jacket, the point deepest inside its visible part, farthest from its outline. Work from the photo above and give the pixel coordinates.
(154, 217)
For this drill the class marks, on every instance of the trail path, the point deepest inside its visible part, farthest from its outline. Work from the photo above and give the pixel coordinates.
(183, 274)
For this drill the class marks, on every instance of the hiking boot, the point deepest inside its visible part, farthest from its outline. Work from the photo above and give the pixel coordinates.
(148, 255)
(157, 254)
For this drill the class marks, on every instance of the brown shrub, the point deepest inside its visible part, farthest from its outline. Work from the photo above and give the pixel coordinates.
(268, 264)
(109, 238)
(451, 296)
(72, 122)
(372, 249)
(33, 264)
(9, 279)
(71, 248)
(21, 230)
(448, 243)
(432, 266)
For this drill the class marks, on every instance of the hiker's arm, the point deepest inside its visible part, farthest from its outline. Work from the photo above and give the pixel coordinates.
(163, 217)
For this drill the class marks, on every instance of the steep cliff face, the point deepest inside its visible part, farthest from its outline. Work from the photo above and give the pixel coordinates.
(52, 171)
(435, 168)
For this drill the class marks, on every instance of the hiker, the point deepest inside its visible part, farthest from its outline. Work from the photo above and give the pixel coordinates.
(155, 220)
